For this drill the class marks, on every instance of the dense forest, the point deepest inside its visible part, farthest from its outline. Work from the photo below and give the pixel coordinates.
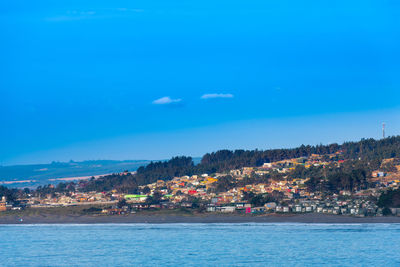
(390, 199)
(366, 149)
(362, 157)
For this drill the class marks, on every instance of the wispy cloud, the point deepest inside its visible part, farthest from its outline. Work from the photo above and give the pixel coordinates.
(102, 13)
(124, 9)
(166, 100)
(209, 96)
(71, 15)
(81, 13)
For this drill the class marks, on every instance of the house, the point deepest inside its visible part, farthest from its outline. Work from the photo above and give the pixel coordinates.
(395, 211)
(226, 209)
(270, 205)
(236, 172)
(192, 192)
(247, 170)
(286, 209)
(258, 210)
(214, 200)
(211, 208)
(267, 166)
(376, 174)
(137, 198)
(3, 206)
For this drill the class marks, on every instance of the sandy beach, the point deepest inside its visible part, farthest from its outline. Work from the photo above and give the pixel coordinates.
(200, 218)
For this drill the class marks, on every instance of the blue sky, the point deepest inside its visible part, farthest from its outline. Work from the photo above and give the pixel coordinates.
(153, 79)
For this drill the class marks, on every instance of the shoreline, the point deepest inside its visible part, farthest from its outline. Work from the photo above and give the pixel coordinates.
(198, 218)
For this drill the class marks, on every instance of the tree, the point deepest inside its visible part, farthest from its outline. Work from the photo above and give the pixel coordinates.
(121, 203)
(261, 199)
(195, 202)
(146, 190)
(389, 199)
(155, 198)
(386, 211)
(224, 184)
(10, 194)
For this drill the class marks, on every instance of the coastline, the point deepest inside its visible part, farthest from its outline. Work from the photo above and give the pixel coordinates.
(197, 218)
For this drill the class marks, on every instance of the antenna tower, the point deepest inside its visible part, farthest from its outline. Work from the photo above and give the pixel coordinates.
(383, 130)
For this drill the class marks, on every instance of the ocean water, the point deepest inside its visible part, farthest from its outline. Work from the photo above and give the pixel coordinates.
(200, 245)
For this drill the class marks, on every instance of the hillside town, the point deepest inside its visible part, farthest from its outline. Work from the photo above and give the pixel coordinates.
(288, 194)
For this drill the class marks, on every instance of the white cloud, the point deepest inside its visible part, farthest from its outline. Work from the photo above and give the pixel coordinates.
(208, 96)
(166, 100)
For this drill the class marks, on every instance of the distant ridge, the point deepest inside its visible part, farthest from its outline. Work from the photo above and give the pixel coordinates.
(33, 175)
(38, 174)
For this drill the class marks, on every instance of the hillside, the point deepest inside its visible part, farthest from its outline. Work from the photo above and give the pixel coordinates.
(367, 153)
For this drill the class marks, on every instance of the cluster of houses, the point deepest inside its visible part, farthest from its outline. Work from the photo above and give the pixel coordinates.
(72, 198)
(182, 191)
(358, 207)
(8, 205)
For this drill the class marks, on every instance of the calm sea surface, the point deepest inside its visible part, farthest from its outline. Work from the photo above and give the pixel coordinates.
(200, 244)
